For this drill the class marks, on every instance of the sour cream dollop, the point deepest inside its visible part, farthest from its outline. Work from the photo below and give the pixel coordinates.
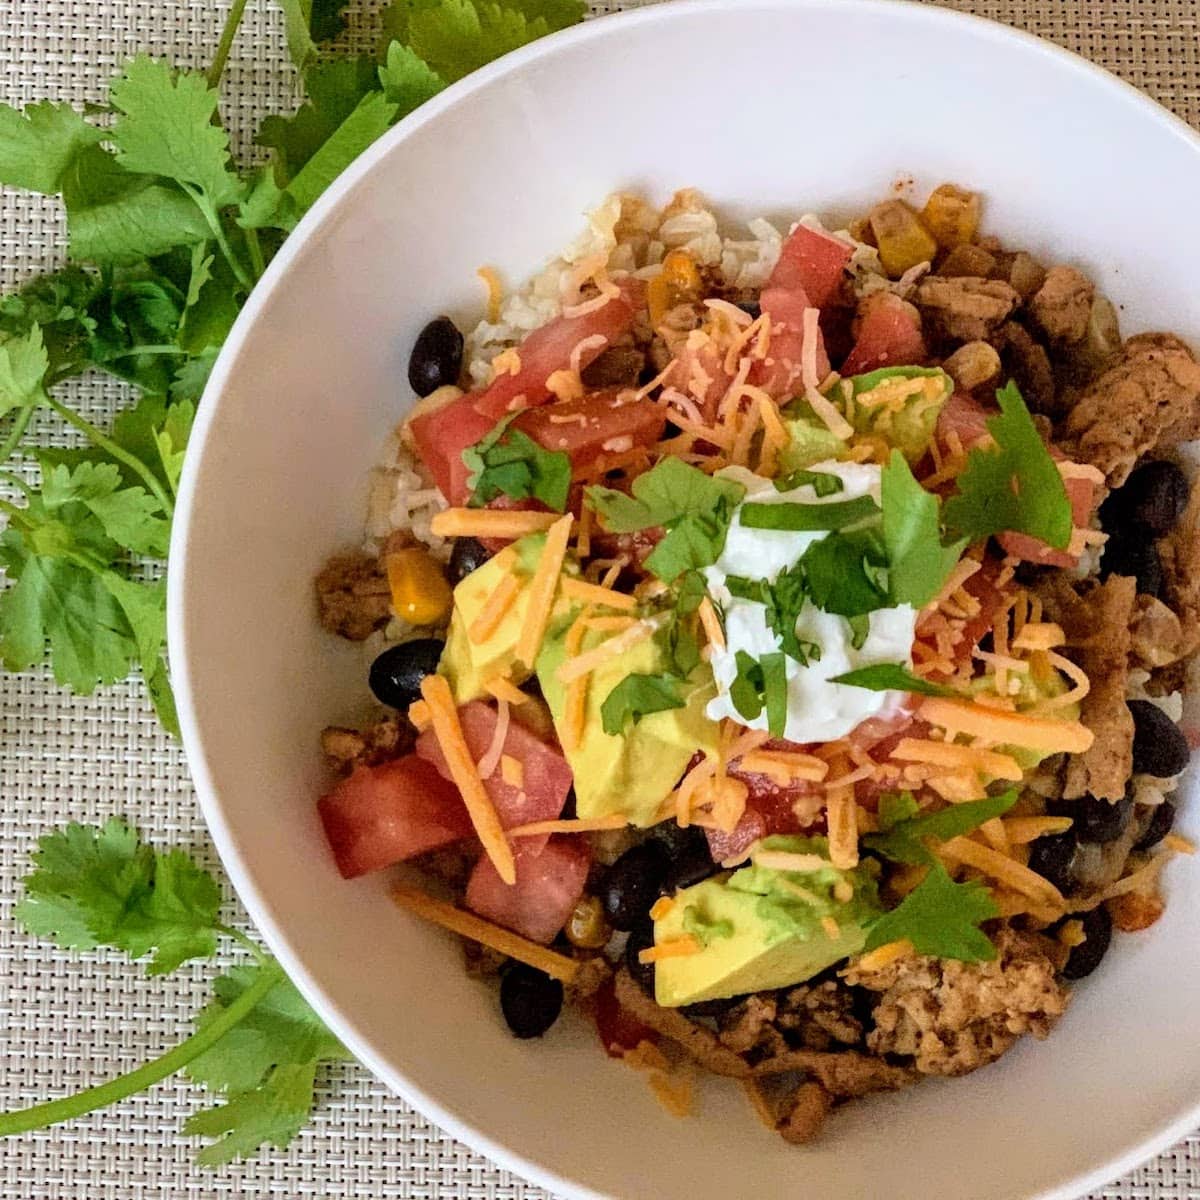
(817, 710)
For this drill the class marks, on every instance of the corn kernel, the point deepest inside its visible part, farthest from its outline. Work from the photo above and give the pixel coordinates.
(903, 241)
(951, 214)
(586, 926)
(420, 593)
(677, 283)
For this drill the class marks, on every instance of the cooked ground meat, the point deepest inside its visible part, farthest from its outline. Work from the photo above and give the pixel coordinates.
(618, 366)
(1097, 621)
(967, 260)
(965, 308)
(1061, 306)
(1150, 397)
(820, 1016)
(952, 1017)
(1027, 363)
(750, 1025)
(806, 1114)
(1135, 911)
(1156, 633)
(353, 598)
(1180, 554)
(1026, 275)
(384, 739)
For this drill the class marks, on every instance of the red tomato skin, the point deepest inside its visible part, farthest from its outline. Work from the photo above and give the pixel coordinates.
(889, 335)
(812, 262)
(388, 813)
(441, 437)
(548, 886)
(580, 428)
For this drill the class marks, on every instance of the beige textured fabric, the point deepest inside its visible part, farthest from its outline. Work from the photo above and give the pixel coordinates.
(66, 1023)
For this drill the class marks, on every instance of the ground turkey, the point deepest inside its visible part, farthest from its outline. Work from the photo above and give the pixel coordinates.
(951, 1017)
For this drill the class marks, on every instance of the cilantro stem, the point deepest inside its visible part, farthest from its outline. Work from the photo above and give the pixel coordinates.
(218, 231)
(15, 434)
(232, 23)
(15, 481)
(119, 453)
(138, 351)
(256, 255)
(249, 943)
(81, 1103)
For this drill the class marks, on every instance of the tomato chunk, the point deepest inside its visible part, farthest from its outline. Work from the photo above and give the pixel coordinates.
(547, 778)
(779, 374)
(549, 349)
(594, 425)
(812, 262)
(889, 335)
(548, 886)
(441, 437)
(619, 1030)
(382, 815)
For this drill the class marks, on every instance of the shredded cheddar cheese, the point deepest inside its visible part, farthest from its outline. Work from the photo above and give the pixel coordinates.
(1006, 728)
(593, 593)
(680, 947)
(783, 860)
(495, 288)
(842, 817)
(614, 647)
(418, 714)
(500, 687)
(541, 590)
(948, 754)
(1007, 871)
(1023, 830)
(661, 907)
(884, 956)
(569, 825)
(512, 772)
(446, 727)
(495, 609)
(490, 523)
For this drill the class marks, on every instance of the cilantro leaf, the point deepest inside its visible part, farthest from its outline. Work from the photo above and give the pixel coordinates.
(668, 491)
(941, 918)
(691, 542)
(761, 683)
(905, 828)
(369, 120)
(796, 518)
(1012, 486)
(165, 127)
(510, 462)
(36, 148)
(23, 366)
(822, 482)
(130, 516)
(844, 573)
(783, 601)
(407, 79)
(637, 696)
(57, 302)
(307, 22)
(882, 677)
(919, 563)
(103, 887)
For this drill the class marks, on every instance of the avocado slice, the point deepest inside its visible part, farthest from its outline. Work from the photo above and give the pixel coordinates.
(632, 772)
(910, 427)
(761, 928)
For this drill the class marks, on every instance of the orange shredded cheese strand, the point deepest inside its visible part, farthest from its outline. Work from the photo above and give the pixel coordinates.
(418, 714)
(833, 930)
(570, 825)
(575, 701)
(841, 815)
(1006, 728)
(885, 955)
(783, 860)
(680, 947)
(823, 409)
(491, 280)
(947, 754)
(500, 687)
(541, 590)
(494, 609)
(661, 907)
(489, 522)
(1178, 843)
(593, 593)
(446, 727)
(468, 925)
(1005, 870)
(512, 772)
(1039, 635)
(491, 758)
(783, 766)
(1023, 830)
(585, 664)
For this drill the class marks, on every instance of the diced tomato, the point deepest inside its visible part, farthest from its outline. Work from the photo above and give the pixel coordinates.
(964, 418)
(593, 425)
(811, 262)
(549, 883)
(619, 1031)
(691, 366)
(549, 349)
(385, 814)
(441, 437)
(768, 811)
(547, 778)
(779, 373)
(889, 335)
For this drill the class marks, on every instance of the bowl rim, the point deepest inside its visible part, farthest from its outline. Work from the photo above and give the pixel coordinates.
(268, 922)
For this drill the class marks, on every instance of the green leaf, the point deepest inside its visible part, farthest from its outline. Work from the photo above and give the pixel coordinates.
(1012, 486)
(798, 518)
(509, 462)
(842, 573)
(883, 677)
(130, 516)
(680, 646)
(369, 120)
(58, 302)
(635, 697)
(822, 483)
(918, 562)
(784, 599)
(407, 80)
(158, 688)
(328, 19)
(941, 918)
(761, 683)
(266, 205)
(307, 22)
(37, 148)
(558, 14)
(192, 377)
(668, 491)
(904, 828)
(212, 304)
(172, 439)
(145, 607)
(165, 127)
(101, 887)
(23, 366)
(115, 217)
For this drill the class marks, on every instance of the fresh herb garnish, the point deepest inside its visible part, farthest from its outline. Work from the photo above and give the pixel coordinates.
(783, 600)
(846, 573)
(761, 683)
(1012, 486)
(883, 677)
(822, 482)
(257, 1044)
(511, 463)
(694, 508)
(904, 828)
(637, 696)
(800, 518)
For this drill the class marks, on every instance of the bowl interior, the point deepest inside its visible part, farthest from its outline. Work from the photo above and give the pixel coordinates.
(771, 108)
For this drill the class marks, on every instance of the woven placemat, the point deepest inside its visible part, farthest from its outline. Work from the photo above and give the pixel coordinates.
(68, 1023)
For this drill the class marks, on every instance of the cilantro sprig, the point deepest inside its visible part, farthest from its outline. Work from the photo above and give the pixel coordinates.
(258, 1046)
(509, 462)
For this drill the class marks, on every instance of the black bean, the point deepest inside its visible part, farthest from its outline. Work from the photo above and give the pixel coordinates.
(753, 307)
(468, 554)
(710, 1008)
(642, 938)
(436, 358)
(1152, 500)
(1085, 958)
(633, 883)
(1051, 858)
(1101, 820)
(687, 849)
(1132, 553)
(1159, 748)
(396, 674)
(530, 1000)
(1161, 821)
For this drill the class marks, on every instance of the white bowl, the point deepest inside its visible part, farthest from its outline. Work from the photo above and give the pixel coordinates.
(767, 106)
